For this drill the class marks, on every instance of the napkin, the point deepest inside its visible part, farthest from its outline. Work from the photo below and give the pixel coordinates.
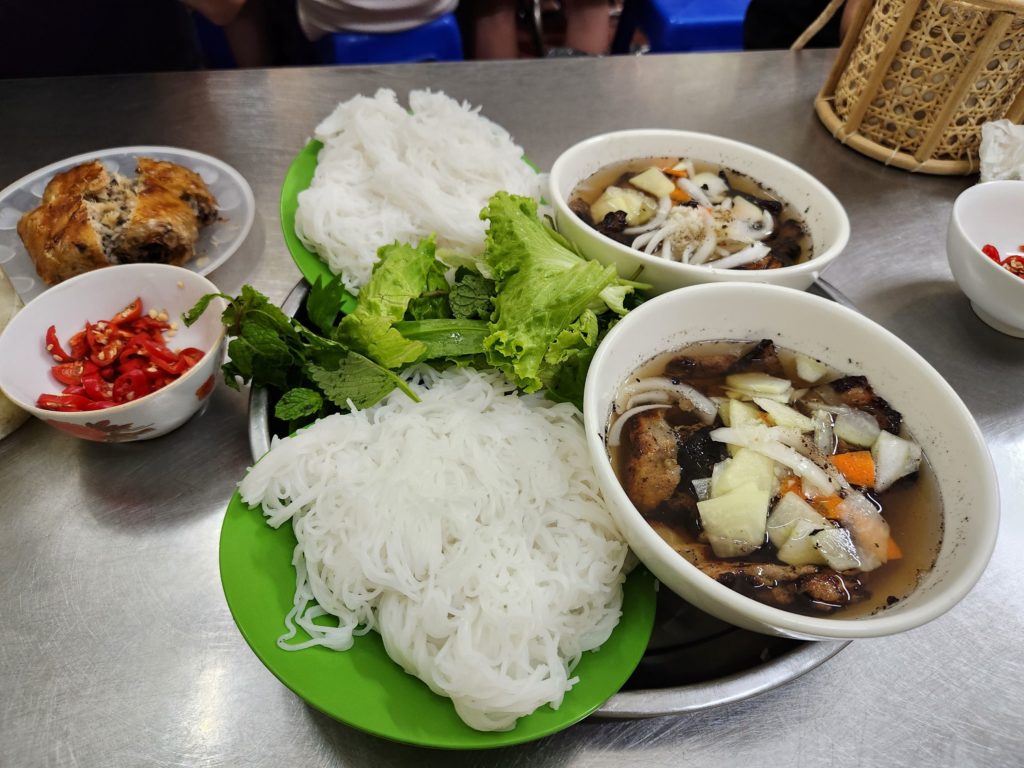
(1002, 151)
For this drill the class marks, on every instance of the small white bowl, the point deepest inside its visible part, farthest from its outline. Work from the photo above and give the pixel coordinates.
(98, 295)
(850, 342)
(825, 218)
(990, 213)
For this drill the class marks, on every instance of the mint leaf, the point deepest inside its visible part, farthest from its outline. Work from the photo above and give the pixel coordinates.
(298, 403)
(200, 306)
(324, 302)
(432, 304)
(359, 380)
(470, 296)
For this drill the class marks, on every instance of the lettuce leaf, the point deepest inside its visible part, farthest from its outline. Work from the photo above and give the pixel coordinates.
(548, 298)
(398, 278)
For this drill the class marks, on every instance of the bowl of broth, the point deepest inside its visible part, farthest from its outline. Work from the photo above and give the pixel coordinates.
(787, 465)
(677, 208)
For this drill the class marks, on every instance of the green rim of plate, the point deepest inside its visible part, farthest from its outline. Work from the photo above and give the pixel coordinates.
(363, 687)
(298, 178)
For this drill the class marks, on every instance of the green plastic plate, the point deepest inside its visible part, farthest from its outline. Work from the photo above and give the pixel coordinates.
(362, 686)
(298, 178)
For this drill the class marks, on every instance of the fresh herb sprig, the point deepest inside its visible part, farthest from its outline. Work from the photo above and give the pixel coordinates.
(347, 352)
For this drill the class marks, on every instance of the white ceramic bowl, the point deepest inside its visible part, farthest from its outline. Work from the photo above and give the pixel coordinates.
(989, 213)
(933, 413)
(98, 295)
(824, 215)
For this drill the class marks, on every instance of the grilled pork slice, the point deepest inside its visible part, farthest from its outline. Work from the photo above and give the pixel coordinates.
(651, 472)
(773, 583)
(89, 218)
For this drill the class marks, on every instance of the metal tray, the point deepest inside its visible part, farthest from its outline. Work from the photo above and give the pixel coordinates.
(694, 661)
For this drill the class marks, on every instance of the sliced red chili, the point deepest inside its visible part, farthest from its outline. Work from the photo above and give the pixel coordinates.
(97, 388)
(159, 351)
(131, 386)
(992, 252)
(108, 354)
(78, 346)
(69, 373)
(132, 312)
(178, 367)
(63, 402)
(114, 361)
(1014, 265)
(98, 405)
(54, 348)
(194, 355)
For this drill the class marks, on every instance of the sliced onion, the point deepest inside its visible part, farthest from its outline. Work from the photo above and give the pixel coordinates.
(715, 188)
(704, 406)
(664, 204)
(758, 440)
(693, 191)
(857, 428)
(615, 433)
(707, 246)
(646, 398)
(641, 240)
(755, 252)
(659, 236)
(824, 437)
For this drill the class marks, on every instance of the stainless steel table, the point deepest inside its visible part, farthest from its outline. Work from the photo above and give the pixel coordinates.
(116, 646)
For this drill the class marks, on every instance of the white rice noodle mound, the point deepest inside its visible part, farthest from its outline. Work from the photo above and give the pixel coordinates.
(467, 529)
(385, 175)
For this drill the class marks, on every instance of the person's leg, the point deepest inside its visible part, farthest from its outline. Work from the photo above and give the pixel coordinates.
(494, 29)
(588, 26)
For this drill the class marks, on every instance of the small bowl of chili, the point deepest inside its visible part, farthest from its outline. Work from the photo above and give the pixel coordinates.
(985, 248)
(106, 356)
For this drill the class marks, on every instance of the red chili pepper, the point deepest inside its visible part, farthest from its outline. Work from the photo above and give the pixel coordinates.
(62, 402)
(1014, 265)
(992, 252)
(78, 346)
(97, 388)
(194, 355)
(108, 354)
(159, 352)
(54, 348)
(115, 361)
(131, 386)
(69, 373)
(99, 405)
(132, 312)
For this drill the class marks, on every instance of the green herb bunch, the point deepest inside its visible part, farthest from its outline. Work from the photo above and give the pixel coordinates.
(531, 307)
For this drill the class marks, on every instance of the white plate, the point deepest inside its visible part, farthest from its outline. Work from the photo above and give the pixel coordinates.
(236, 209)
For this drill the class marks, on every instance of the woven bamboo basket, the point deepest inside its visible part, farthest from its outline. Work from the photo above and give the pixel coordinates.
(915, 80)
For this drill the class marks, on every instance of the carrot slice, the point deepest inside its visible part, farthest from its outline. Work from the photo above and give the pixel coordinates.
(857, 466)
(791, 484)
(826, 506)
(893, 551)
(677, 172)
(679, 196)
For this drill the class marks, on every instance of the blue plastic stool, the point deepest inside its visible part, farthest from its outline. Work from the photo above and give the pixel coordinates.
(438, 40)
(682, 25)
